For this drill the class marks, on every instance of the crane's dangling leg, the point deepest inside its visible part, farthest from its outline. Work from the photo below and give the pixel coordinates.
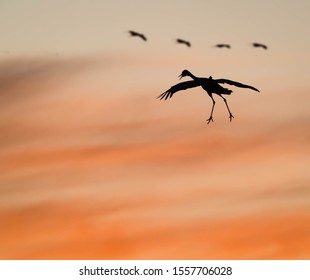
(211, 119)
(230, 114)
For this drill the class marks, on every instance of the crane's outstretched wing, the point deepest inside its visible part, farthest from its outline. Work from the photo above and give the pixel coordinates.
(143, 37)
(178, 87)
(233, 83)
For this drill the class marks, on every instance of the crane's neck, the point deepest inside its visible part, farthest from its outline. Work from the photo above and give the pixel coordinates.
(192, 76)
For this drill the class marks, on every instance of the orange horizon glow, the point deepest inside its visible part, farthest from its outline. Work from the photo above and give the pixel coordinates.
(95, 167)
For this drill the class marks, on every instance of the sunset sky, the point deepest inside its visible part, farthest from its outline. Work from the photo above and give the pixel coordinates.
(93, 166)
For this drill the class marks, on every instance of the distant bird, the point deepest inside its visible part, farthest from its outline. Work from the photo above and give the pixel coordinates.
(181, 41)
(258, 45)
(136, 34)
(209, 85)
(223, 46)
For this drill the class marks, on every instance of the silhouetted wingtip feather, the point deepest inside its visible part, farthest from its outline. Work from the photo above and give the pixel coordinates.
(250, 87)
(253, 88)
(160, 96)
(163, 95)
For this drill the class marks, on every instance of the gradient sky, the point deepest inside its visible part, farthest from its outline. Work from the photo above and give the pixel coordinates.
(79, 25)
(93, 166)
(83, 27)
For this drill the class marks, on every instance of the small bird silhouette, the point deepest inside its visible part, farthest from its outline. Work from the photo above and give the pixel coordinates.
(258, 45)
(222, 46)
(136, 34)
(181, 41)
(209, 85)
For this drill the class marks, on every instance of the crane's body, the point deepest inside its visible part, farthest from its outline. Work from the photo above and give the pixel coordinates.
(227, 46)
(181, 41)
(137, 34)
(209, 85)
(259, 45)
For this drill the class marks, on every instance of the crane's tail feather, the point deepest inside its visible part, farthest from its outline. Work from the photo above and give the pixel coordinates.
(227, 91)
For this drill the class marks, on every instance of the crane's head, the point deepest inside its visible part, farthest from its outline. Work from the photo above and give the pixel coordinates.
(184, 74)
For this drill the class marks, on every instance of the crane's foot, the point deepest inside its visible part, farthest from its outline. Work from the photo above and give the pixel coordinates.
(231, 116)
(209, 120)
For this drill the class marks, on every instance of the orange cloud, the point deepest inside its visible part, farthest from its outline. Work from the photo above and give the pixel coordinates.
(86, 173)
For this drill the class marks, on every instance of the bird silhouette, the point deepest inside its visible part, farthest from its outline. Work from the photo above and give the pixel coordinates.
(222, 46)
(181, 41)
(136, 34)
(258, 45)
(209, 85)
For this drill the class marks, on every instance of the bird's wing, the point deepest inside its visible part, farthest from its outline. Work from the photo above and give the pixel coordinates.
(143, 37)
(178, 87)
(233, 83)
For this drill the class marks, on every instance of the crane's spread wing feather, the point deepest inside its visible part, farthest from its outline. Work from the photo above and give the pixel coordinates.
(178, 87)
(233, 83)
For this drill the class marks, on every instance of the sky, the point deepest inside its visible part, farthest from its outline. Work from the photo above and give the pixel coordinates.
(98, 25)
(93, 166)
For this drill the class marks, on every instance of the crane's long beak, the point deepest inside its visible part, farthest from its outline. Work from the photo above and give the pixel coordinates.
(180, 76)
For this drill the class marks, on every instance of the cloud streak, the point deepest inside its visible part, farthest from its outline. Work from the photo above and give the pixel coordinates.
(87, 172)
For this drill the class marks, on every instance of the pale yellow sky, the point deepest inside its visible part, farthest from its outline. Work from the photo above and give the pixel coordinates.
(85, 26)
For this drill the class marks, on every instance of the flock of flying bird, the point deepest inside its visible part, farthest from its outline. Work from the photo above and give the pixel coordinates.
(208, 84)
(188, 43)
